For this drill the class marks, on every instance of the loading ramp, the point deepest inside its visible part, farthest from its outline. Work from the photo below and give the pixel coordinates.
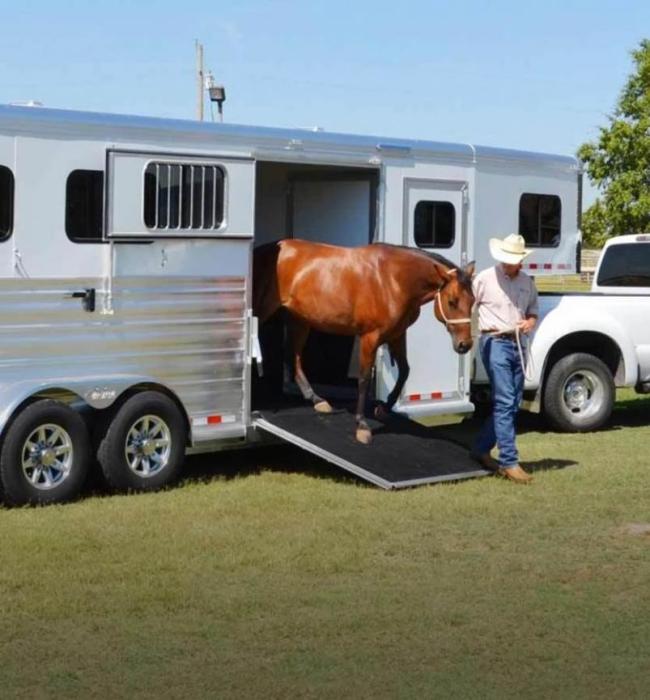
(402, 453)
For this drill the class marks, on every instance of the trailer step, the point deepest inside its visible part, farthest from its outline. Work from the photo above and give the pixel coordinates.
(402, 454)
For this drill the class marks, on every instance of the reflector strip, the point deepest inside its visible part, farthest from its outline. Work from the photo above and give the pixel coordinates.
(433, 396)
(547, 266)
(214, 419)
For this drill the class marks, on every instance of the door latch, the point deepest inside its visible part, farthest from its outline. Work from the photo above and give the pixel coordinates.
(87, 298)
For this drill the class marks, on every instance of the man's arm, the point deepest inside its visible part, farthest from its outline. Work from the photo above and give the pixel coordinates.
(532, 311)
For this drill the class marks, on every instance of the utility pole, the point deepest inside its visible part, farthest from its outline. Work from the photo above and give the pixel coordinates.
(199, 80)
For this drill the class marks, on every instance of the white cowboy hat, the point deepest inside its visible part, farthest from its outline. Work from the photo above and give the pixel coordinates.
(511, 250)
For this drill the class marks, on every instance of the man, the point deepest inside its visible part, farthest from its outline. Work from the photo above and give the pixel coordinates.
(506, 298)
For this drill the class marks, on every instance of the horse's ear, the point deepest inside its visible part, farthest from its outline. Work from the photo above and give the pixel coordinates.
(445, 274)
(470, 268)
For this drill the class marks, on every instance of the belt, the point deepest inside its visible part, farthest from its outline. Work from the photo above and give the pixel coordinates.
(503, 336)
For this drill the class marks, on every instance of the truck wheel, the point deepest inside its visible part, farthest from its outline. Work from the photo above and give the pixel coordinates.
(45, 455)
(144, 444)
(578, 394)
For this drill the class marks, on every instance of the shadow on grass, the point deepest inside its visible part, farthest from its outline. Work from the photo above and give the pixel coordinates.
(281, 458)
(548, 464)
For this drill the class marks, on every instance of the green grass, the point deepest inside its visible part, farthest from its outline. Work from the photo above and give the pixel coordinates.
(267, 574)
(562, 283)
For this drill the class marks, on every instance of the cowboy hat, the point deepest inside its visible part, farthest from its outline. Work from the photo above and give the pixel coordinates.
(511, 250)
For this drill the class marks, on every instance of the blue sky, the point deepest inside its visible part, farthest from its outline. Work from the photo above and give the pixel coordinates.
(537, 76)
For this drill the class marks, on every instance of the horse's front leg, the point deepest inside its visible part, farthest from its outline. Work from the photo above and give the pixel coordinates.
(367, 351)
(397, 348)
(299, 331)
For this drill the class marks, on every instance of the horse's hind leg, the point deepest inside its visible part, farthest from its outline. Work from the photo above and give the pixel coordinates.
(299, 331)
(367, 351)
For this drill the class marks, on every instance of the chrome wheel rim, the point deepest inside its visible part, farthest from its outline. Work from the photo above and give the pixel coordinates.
(148, 446)
(47, 456)
(583, 393)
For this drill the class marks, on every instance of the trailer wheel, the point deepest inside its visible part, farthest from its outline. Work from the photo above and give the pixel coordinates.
(45, 455)
(144, 444)
(578, 393)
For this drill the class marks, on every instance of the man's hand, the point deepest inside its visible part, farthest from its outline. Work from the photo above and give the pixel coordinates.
(527, 325)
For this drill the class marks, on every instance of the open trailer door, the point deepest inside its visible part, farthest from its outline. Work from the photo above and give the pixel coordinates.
(434, 219)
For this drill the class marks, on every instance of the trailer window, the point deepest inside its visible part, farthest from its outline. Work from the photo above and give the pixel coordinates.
(539, 219)
(434, 224)
(84, 206)
(6, 202)
(625, 265)
(183, 197)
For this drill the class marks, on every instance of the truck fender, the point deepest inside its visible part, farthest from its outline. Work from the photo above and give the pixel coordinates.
(557, 325)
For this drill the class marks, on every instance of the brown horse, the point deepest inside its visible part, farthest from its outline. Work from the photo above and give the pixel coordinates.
(374, 292)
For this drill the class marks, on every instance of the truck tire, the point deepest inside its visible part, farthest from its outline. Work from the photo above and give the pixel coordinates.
(45, 455)
(144, 443)
(578, 394)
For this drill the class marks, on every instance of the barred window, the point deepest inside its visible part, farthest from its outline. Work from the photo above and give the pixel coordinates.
(539, 219)
(182, 196)
(434, 224)
(84, 206)
(6, 202)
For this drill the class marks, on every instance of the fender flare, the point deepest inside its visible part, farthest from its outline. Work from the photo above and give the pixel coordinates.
(556, 327)
(98, 392)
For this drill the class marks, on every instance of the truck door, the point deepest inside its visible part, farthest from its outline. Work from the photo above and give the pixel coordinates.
(434, 219)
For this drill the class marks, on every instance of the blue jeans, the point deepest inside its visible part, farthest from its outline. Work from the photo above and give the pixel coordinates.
(501, 359)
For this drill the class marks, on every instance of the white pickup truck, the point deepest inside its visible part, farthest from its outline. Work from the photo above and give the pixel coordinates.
(586, 344)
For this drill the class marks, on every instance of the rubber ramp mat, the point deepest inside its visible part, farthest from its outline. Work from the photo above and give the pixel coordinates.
(402, 453)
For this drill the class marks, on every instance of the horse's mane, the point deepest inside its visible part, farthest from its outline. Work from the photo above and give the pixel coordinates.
(463, 277)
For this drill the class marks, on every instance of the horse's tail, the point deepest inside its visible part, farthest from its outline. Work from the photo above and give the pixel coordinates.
(266, 296)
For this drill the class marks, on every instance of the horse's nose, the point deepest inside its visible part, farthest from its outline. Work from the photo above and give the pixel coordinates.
(464, 346)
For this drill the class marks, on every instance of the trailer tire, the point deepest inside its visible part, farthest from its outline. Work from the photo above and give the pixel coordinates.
(578, 393)
(45, 455)
(143, 446)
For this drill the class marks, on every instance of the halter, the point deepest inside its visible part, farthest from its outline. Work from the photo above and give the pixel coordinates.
(448, 321)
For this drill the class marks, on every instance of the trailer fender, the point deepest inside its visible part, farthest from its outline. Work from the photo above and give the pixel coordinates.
(97, 392)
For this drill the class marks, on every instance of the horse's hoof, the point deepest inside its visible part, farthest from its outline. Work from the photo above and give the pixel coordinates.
(381, 412)
(323, 407)
(364, 436)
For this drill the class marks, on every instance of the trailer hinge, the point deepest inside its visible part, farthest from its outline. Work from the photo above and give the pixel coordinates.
(254, 347)
(465, 193)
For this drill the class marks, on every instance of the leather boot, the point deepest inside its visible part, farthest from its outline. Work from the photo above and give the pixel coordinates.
(516, 474)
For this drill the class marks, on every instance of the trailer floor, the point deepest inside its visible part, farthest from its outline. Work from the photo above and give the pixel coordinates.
(402, 453)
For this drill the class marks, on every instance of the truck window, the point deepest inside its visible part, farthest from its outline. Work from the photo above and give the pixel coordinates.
(6, 202)
(625, 265)
(434, 224)
(539, 219)
(84, 206)
(183, 196)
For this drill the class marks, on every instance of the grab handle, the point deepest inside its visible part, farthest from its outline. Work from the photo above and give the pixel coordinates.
(87, 298)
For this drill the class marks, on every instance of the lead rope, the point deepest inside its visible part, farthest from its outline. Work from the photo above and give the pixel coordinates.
(526, 362)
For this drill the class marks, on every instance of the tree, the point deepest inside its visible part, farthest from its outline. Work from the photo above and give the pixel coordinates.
(618, 162)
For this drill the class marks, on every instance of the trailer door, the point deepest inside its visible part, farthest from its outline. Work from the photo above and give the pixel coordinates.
(434, 219)
(178, 297)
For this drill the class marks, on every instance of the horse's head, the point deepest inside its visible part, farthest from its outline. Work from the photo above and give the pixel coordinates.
(453, 305)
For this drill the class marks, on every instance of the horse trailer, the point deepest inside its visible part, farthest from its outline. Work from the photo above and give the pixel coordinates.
(125, 283)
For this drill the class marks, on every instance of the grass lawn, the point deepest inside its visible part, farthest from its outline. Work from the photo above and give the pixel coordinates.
(267, 574)
(562, 283)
